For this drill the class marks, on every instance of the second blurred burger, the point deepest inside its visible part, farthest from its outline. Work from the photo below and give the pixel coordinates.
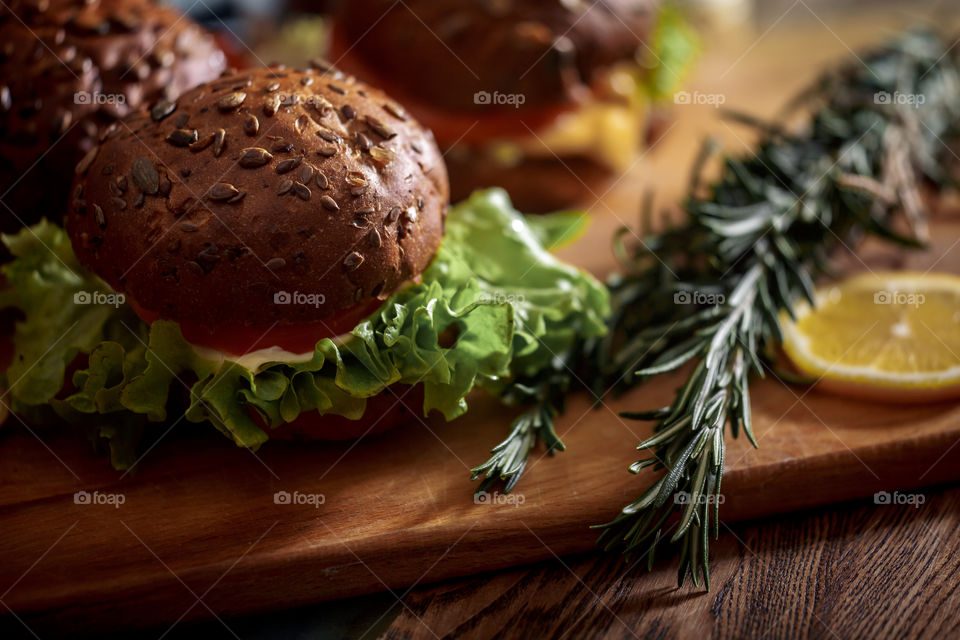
(547, 99)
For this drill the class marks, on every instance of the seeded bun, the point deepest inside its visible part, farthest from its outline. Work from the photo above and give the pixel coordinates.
(69, 68)
(546, 50)
(256, 185)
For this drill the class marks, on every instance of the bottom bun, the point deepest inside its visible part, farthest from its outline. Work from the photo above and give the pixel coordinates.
(535, 185)
(394, 406)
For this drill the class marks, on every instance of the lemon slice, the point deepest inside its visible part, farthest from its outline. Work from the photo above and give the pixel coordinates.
(888, 336)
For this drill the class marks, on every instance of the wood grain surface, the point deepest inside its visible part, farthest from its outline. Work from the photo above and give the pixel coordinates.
(199, 520)
(844, 573)
(199, 534)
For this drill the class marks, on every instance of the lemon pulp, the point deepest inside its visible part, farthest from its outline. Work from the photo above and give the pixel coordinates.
(897, 330)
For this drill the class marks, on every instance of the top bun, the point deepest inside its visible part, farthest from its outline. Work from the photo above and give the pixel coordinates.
(548, 51)
(68, 68)
(257, 186)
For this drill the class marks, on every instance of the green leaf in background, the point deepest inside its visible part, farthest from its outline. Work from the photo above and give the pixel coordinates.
(675, 47)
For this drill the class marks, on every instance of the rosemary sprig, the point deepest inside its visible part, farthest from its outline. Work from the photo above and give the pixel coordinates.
(708, 294)
(544, 397)
(756, 240)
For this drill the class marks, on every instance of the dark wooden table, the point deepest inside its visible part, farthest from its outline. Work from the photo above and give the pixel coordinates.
(848, 572)
(853, 571)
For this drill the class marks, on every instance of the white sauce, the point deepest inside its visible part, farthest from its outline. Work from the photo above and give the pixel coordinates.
(255, 360)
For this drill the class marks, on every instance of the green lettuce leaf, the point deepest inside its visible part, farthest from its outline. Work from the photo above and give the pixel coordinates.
(558, 229)
(509, 303)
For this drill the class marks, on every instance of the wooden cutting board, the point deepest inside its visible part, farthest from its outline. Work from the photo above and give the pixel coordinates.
(199, 533)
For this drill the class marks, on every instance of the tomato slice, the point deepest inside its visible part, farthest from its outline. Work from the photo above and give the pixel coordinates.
(296, 338)
(451, 128)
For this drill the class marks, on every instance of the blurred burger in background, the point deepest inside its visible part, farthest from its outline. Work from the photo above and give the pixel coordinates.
(548, 99)
(69, 70)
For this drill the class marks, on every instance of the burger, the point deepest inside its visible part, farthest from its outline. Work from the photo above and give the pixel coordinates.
(69, 69)
(548, 99)
(274, 253)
